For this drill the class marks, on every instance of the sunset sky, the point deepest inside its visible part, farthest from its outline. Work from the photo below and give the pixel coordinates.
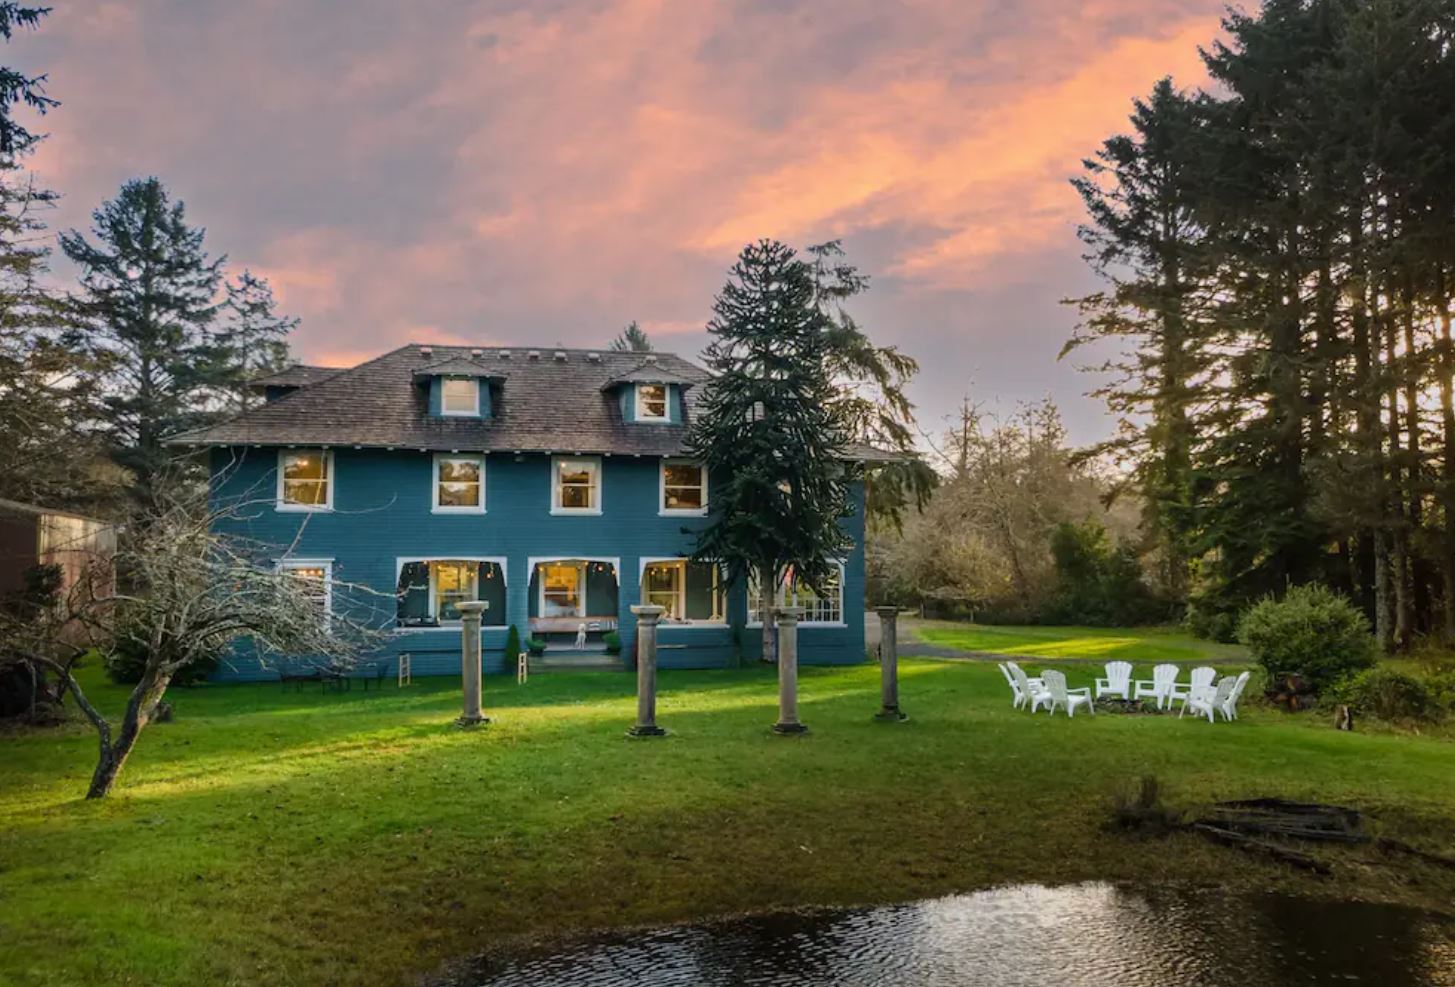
(536, 173)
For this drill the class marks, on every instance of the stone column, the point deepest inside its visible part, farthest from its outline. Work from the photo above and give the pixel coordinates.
(647, 617)
(889, 711)
(470, 661)
(788, 671)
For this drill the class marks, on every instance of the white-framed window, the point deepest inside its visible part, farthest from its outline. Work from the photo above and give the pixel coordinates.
(683, 487)
(575, 485)
(316, 578)
(827, 608)
(458, 484)
(460, 396)
(652, 403)
(305, 480)
(430, 589)
(562, 589)
(689, 592)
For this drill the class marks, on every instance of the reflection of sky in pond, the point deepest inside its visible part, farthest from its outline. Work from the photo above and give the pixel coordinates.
(1080, 935)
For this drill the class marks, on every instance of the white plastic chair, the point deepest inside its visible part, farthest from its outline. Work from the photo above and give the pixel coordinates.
(1033, 691)
(1118, 681)
(1229, 709)
(1202, 679)
(1204, 699)
(1017, 696)
(1061, 696)
(1159, 686)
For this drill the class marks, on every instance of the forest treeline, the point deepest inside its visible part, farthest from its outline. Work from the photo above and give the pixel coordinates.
(1279, 252)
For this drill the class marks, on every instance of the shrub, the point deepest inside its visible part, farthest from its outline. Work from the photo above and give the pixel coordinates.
(512, 647)
(1388, 694)
(1442, 688)
(126, 658)
(612, 640)
(535, 645)
(1210, 622)
(1313, 631)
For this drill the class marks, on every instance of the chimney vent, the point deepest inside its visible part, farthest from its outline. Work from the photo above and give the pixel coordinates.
(652, 358)
(560, 356)
(593, 357)
(505, 354)
(426, 351)
(534, 354)
(475, 353)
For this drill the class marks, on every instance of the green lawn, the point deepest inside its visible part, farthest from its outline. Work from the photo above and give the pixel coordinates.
(285, 839)
(1146, 644)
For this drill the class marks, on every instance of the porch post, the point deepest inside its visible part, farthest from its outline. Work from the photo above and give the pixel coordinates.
(788, 671)
(889, 711)
(470, 611)
(647, 617)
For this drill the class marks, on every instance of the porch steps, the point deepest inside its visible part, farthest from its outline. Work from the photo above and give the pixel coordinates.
(575, 661)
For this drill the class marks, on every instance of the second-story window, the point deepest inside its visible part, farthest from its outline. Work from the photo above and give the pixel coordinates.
(459, 396)
(576, 486)
(684, 487)
(305, 480)
(459, 484)
(651, 402)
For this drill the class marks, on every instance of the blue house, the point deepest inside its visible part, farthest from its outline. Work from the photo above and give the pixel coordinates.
(548, 483)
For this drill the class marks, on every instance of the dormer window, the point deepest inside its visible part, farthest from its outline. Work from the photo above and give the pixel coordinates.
(651, 403)
(460, 396)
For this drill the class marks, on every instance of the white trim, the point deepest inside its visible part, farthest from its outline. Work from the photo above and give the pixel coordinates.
(474, 412)
(843, 575)
(434, 486)
(535, 560)
(597, 487)
(639, 415)
(662, 509)
(722, 588)
(402, 560)
(288, 564)
(328, 472)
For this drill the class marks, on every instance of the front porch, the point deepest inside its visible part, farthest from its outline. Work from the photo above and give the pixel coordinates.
(573, 604)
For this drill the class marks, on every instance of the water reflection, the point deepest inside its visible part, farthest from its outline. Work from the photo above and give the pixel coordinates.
(1080, 935)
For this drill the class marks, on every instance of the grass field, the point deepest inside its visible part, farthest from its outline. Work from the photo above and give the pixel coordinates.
(285, 839)
(1146, 644)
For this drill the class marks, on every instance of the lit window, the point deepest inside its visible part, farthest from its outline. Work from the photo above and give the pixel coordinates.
(684, 487)
(316, 581)
(305, 479)
(561, 590)
(459, 484)
(688, 592)
(576, 487)
(460, 396)
(825, 608)
(651, 402)
(430, 591)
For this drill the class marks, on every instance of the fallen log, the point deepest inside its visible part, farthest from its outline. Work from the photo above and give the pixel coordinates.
(1281, 817)
(1230, 837)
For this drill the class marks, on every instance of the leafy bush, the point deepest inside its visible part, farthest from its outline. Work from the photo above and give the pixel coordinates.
(512, 647)
(1389, 694)
(1313, 632)
(1441, 684)
(126, 658)
(535, 645)
(612, 640)
(1210, 622)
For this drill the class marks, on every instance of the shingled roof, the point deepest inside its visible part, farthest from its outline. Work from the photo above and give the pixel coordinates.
(552, 402)
(545, 401)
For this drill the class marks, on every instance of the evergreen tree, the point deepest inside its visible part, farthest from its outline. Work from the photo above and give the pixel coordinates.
(632, 339)
(17, 88)
(147, 310)
(254, 335)
(772, 430)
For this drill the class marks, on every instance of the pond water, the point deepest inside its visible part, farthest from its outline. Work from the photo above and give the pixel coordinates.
(1078, 935)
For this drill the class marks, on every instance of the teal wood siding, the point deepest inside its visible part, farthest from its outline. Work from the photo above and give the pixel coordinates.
(382, 513)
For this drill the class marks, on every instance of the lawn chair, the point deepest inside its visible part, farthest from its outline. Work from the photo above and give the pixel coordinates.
(1118, 681)
(1230, 708)
(1018, 695)
(1204, 699)
(1032, 691)
(1059, 695)
(1159, 686)
(1202, 679)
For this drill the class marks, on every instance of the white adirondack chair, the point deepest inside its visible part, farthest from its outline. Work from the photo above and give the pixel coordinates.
(1159, 686)
(1061, 696)
(1202, 678)
(1203, 700)
(1032, 691)
(1118, 681)
(1229, 709)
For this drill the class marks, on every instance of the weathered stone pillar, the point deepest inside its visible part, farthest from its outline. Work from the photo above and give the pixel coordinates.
(470, 661)
(647, 617)
(788, 671)
(889, 710)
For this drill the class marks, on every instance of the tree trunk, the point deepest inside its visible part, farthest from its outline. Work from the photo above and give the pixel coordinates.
(1395, 503)
(1447, 484)
(768, 597)
(139, 711)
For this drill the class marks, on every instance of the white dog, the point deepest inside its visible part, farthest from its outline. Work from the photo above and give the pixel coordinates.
(581, 638)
